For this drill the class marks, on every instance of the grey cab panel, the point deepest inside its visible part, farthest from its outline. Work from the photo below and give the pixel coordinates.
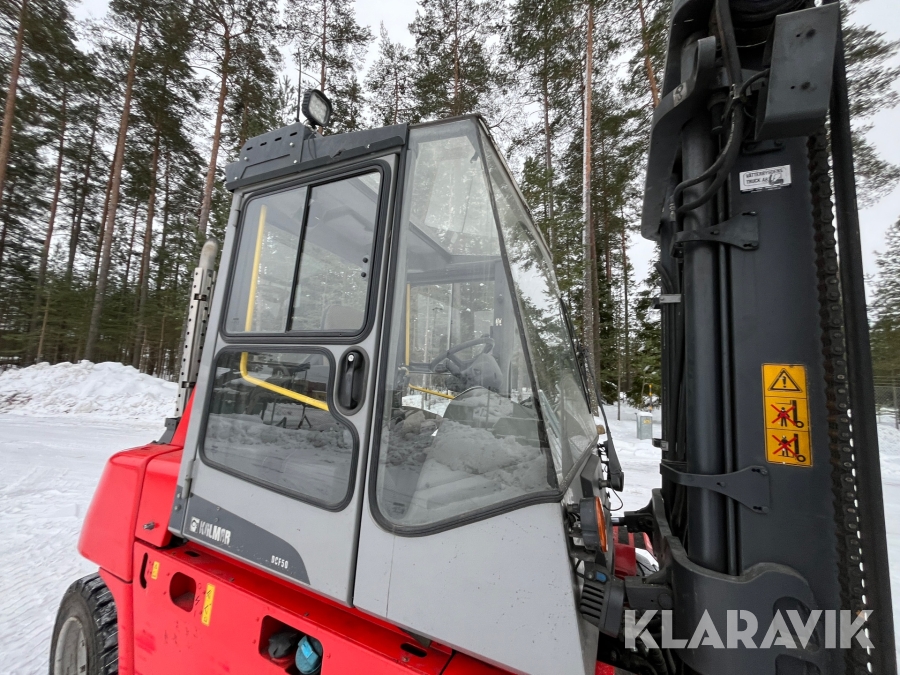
(502, 589)
(276, 463)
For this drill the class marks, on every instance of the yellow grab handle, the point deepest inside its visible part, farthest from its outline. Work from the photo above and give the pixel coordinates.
(315, 403)
(248, 325)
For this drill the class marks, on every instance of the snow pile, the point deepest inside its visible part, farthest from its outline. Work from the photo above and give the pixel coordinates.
(101, 390)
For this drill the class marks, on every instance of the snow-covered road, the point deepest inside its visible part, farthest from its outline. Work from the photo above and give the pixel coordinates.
(50, 465)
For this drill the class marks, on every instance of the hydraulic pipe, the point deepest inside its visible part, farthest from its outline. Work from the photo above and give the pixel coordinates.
(706, 520)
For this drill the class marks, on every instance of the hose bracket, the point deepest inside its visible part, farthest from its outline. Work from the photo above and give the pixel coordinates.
(749, 486)
(740, 231)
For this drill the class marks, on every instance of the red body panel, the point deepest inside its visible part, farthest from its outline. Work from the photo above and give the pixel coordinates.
(157, 495)
(107, 536)
(119, 509)
(180, 626)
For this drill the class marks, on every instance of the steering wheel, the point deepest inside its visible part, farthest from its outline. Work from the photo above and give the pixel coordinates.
(462, 364)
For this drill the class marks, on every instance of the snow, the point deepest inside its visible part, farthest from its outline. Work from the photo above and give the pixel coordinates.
(58, 426)
(107, 391)
(50, 467)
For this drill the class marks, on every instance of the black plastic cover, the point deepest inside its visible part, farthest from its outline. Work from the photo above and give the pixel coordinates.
(801, 57)
(297, 148)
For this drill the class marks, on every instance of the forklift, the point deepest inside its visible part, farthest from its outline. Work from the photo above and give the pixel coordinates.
(385, 459)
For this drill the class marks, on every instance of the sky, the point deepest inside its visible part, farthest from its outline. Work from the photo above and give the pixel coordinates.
(884, 15)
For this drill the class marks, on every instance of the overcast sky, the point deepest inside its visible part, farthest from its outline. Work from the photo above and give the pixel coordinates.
(882, 14)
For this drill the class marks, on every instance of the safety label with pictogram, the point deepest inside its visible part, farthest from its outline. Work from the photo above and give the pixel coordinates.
(786, 414)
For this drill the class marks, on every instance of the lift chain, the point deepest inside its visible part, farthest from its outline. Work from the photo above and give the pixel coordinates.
(843, 460)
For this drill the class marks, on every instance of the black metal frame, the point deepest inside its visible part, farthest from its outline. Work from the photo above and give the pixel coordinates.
(311, 181)
(717, 521)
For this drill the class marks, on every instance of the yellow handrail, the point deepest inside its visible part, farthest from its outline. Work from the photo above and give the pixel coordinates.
(315, 403)
(248, 324)
(407, 324)
(431, 391)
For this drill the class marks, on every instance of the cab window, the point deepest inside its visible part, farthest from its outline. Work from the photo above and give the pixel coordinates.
(269, 422)
(304, 259)
(470, 421)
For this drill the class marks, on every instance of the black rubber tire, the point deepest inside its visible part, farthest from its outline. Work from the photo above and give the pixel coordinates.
(88, 607)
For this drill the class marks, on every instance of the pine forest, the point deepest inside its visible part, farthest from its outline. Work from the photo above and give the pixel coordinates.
(116, 131)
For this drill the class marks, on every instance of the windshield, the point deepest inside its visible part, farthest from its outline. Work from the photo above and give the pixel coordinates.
(483, 404)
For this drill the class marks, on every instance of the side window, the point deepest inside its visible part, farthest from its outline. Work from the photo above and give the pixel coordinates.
(268, 421)
(333, 279)
(318, 252)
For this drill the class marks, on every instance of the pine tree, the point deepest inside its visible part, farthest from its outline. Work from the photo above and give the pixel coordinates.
(329, 46)
(456, 64)
(536, 45)
(885, 307)
(10, 106)
(227, 30)
(871, 75)
(389, 83)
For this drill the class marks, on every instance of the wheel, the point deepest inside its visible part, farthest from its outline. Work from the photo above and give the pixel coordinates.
(86, 636)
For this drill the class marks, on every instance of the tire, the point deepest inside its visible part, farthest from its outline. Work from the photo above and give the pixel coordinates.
(86, 634)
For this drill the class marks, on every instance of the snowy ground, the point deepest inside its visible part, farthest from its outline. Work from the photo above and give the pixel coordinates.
(59, 424)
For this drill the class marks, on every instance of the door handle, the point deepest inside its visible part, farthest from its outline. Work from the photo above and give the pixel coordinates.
(350, 390)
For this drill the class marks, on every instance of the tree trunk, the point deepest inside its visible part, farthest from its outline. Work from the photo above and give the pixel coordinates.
(144, 274)
(548, 151)
(40, 348)
(590, 249)
(79, 214)
(110, 217)
(396, 95)
(627, 317)
(163, 254)
(456, 106)
(217, 134)
(10, 111)
(648, 65)
(130, 253)
(324, 43)
(54, 205)
(99, 247)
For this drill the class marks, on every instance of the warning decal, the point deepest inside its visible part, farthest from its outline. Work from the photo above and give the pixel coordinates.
(786, 411)
(154, 571)
(207, 604)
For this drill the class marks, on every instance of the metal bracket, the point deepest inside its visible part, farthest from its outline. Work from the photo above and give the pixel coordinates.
(748, 486)
(672, 113)
(741, 231)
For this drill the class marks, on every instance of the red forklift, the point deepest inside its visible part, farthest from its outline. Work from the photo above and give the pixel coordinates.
(385, 460)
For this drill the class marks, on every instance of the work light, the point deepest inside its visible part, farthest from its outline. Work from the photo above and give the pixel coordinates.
(316, 107)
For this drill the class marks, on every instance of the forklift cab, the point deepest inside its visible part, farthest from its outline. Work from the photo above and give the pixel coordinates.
(389, 408)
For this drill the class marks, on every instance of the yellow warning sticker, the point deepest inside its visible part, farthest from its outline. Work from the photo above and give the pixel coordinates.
(154, 571)
(784, 379)
(207, 604)
(786, 412)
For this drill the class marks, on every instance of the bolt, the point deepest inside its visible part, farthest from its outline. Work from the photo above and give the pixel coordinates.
(150, 525)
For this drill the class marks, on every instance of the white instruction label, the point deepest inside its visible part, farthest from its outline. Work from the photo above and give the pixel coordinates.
(766, 179)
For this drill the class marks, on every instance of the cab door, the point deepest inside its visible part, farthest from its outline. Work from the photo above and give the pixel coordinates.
(281, 417)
